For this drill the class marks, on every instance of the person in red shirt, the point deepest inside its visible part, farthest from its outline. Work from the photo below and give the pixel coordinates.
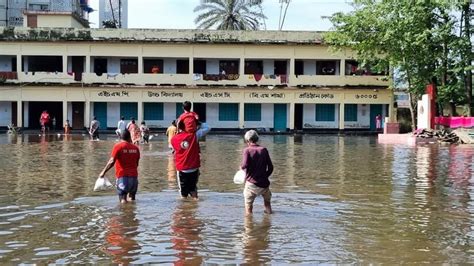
(188, 160)
(188, 120)
(125, 157)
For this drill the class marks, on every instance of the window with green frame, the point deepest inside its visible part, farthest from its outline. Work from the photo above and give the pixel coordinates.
(153, 111)
(228, 112)
(252, 112)
(350, 112)
(325, 112)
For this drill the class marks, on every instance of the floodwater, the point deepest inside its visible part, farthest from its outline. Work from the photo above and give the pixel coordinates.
(336, 200)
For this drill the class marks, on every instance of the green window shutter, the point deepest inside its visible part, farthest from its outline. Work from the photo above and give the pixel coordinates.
(325, 112)
(252, 112)
(228, 112)
(350, 112)
(153, 111)
(129, 110)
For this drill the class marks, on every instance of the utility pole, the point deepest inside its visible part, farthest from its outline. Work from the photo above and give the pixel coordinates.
(120, 13)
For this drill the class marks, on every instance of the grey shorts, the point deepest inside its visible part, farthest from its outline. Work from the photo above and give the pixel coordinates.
(127, 185)
(251, 191)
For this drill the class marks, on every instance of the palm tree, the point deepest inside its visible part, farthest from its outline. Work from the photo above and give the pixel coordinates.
(228, 14)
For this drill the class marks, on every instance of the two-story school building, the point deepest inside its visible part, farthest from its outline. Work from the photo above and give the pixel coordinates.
(278, 80)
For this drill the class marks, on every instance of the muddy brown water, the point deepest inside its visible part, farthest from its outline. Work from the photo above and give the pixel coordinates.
(336, 200)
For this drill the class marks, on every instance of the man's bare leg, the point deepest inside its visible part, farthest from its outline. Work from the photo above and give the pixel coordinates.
(268, 207)
(248, 209)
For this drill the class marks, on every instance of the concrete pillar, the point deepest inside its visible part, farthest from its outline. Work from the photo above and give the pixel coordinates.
(191, 65)
(292, 116)
(64, 112)
(87, 114)
(88, 64)
(342, 67)
(341, 116)
(140, 113)
(241, 115)
(65, 64)
(19, 114)
(242, 66)
(140, 65)
(391, 113)
(19, 65)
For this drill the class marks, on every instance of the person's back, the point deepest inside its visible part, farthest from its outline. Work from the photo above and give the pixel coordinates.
(121, 125)
(186, 149)
(127, 156)
(258, 165)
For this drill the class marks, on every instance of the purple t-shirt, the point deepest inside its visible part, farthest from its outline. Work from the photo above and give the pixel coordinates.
(257, 164)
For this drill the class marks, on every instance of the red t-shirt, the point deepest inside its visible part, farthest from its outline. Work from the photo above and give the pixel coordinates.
(126, 157)
(186, 149)
(189, 119)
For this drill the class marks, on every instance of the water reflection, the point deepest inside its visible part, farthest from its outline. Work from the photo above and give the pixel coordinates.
(186, 229)
(256, 240)
(121, 231)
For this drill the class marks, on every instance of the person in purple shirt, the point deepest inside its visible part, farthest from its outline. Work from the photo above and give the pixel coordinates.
(258, 166)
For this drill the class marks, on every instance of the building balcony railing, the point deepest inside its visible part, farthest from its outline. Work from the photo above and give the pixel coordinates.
(194, 79)
(137, 79)
(318, 80)
(45, 77)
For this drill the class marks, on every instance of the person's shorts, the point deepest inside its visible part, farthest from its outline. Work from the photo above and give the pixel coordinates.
(187, 182)
(95, 135)
(127, 185)
(251, 191)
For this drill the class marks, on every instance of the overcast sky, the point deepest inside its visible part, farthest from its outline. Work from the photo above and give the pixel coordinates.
(178, 14)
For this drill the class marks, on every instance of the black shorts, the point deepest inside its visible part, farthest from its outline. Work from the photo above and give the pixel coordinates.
(187, 182)
(127, 185)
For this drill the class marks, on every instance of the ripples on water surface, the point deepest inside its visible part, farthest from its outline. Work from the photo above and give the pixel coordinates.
(337, 200)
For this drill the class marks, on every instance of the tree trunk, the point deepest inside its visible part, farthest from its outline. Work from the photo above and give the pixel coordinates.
(468, 55)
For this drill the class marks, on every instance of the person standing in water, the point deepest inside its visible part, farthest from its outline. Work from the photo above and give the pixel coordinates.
(121, 126)
(188, 160)
(94, 129)
(145, 132)
(125, 157)
(134, 131)
(258, 167)
(171, 132)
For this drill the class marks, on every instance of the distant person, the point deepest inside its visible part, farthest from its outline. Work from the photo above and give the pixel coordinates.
(378, 121)
(155, 69)
(171, 132)
(121, 126)
(188, 119)
(145, 132)
(134, 131)
(188, 160)
(67, 127)
(258, 167)
(53, 122)
(94, 129)
(44, 121)
(125, 156)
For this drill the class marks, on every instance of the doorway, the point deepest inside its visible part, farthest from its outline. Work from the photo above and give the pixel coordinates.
(78, 67)
(55, 110)
(14, 113)
(298, 116)
(77, 115)
(100, 66)
(375, 109)
(280, 67)
(200, 109)
(279, 117)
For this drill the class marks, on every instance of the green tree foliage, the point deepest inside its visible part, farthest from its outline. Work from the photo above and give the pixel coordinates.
(420, 39)
(229, 14)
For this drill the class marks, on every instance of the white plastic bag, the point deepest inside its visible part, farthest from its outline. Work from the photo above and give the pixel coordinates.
(239, 177)
(102, 183)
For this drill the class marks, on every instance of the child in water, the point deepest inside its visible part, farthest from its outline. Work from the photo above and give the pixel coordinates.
(188, 120)
(145, 132)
